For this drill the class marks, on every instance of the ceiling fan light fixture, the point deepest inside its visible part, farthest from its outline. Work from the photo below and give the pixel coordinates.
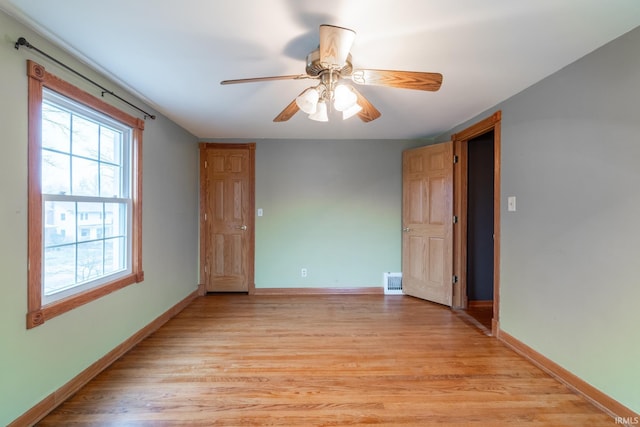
(344, 98)
(308, 100)
(320, 115)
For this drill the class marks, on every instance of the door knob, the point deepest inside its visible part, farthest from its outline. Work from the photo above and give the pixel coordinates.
(241, 227)
(406, 229)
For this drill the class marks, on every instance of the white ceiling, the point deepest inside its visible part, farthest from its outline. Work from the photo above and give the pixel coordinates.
(173, 54)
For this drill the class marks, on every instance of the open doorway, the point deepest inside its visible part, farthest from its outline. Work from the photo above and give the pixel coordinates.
(479, 277)
(477, 211)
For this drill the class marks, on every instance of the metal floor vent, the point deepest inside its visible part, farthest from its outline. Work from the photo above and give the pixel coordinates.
(392, 283)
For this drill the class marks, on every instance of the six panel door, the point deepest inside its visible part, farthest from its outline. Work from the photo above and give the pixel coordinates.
(427, 222)
(226, 228)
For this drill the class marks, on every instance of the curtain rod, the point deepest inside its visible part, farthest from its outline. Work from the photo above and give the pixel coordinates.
(23, 42)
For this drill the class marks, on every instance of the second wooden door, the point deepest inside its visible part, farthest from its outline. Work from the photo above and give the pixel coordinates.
(427, 222)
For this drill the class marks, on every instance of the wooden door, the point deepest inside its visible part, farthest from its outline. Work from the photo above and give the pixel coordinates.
(427, 222)
(227, 194)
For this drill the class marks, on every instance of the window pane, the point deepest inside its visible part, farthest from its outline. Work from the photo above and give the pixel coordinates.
(56, 174)
(109, 180)
(115, 222)
(55, 128)
(90, 226)
(110, 142)
(87, 215)
(85, 137)
(85, 177)
(59, 268)
(59, 223)
(89, 261)
(114, 255)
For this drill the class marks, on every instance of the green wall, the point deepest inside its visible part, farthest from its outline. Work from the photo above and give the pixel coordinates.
(332, 207)
(36, 362)
(569, 270)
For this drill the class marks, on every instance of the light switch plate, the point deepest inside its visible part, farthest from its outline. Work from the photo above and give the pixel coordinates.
(511, 203)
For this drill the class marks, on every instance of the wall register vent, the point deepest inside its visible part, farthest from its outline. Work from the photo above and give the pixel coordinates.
(392, 283)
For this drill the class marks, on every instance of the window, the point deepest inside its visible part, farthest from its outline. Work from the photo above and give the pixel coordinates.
(84, 197)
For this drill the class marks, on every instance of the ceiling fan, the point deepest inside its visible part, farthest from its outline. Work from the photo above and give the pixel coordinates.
(331, 65)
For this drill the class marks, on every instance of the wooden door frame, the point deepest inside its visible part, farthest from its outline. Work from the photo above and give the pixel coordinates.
(460, 143)
(251, 146)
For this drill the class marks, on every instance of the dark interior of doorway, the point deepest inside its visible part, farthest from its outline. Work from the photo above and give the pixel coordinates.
(480, 232)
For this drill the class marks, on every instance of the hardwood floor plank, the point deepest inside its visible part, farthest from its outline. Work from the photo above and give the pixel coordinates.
(322, 360)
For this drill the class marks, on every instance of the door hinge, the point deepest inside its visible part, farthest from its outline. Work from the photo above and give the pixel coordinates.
(455, 279)
(455, 219)
(455, 159)
(205, 164)
(205, 216)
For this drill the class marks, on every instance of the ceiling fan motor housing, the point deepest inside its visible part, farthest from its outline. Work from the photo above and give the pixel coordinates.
(315, 68)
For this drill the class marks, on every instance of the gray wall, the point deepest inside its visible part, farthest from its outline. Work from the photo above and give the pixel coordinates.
(36, 362)
(570, 275)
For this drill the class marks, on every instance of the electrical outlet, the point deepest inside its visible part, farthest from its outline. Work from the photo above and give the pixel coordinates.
(303, 272)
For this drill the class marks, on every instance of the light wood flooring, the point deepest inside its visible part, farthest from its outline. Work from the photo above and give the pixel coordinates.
(339, 360)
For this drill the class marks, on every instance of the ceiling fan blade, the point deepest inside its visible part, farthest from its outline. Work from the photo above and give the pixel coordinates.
(266, 79)
(369, 112)
(401, 79)
(288, 111)
(335, 44)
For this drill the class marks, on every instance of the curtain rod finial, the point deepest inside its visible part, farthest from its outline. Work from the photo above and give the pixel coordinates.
(22, 42)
